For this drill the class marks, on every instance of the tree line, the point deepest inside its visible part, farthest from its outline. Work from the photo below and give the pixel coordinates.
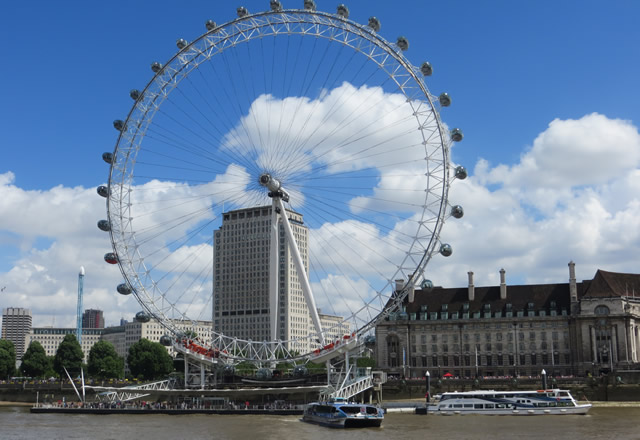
(146, 360)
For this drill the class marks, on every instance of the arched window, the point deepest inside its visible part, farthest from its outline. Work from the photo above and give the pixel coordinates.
(601, 310)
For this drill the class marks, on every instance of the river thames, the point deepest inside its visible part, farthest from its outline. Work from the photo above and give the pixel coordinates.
(602, 423)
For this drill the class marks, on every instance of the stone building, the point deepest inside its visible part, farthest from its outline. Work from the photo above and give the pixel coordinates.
(241, 294)
(51, 337)
(16, 325)
(573, 328)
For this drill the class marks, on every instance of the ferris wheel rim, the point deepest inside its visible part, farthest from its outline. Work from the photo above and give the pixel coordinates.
(121, 247)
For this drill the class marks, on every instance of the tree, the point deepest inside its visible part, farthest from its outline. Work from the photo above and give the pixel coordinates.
(35, 362)
(149, 360)
(7, 358)
(364, 362)
(104, 362)
(69, 355)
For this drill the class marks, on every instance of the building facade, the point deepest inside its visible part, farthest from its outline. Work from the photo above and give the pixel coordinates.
(16, 326)
(567, 329)
(241, 278)
(92, 318)
(51, 337)
(124, 336)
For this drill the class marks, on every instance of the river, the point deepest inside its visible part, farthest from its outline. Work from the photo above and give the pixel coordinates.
(601, 423)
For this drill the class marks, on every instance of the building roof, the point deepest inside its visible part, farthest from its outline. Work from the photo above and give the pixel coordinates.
(541, 295)
(603, 285)
(612, 284)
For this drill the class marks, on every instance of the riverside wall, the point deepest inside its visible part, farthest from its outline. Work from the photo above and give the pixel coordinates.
(613, 387)
(622, 387)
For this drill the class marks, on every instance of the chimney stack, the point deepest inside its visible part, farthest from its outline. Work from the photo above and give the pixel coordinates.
(472, 289)
(503, 285)
(573, 286)
(399, 285)
(412, 293)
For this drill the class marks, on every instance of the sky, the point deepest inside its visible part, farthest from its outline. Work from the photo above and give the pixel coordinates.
(545, 92)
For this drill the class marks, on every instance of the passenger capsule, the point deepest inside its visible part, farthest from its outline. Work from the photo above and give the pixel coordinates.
(300, 371)
(445, 99)
(374, 24)
(124, 289)
(135, 94)
(276, 5)
(310, 5)
(461, 173)
(111, 258)
(456, 135)
(370, 341)
(103, 191)
(427, 285)
(446, 250)
(118, 124)
(141, 316)
(426, 68)
(107, 157)
(264, 373)
(104, 225)
(165, 340)
(343, 11)
(457, 211)
(242, 11)
(211, 25)
(402, 43)
(156, 67)
(181, 43)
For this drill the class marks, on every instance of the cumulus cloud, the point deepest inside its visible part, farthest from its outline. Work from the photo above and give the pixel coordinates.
(573, 196)
(55, 233)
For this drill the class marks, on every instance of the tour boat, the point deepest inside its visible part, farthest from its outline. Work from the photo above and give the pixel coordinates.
(339, 413)
(525, 403)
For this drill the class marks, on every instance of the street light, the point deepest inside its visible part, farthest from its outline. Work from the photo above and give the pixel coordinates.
(428, 396)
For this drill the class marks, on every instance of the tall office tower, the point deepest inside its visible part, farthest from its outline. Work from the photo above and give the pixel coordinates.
(16, 325)
(92, 318)
(241, 277)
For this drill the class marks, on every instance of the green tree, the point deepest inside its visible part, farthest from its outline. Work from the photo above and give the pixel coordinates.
(104, 362)
(69, 355)
(35, 362)
(149, 360)
(364, 362)
(7, 359)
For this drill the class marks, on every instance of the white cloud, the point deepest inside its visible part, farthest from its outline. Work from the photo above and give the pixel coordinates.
(573, 196)
(531, 218)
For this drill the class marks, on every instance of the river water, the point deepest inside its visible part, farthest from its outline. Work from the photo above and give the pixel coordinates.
(601, 423)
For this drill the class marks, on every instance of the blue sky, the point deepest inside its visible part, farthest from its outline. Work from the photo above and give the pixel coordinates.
(512, 68)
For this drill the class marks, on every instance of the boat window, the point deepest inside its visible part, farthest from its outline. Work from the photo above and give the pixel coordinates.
(350, 409)
(501, 405)
(468, 405)
(457, 405)
(478, 406)
(489, 405)
(371, 410)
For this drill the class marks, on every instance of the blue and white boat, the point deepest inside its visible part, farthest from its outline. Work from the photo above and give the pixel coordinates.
(339, 413)
(524, 403)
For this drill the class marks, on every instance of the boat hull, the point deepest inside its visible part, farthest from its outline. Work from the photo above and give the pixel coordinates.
(344, 422)
(512, 403)
(342, 414)
(576, 410)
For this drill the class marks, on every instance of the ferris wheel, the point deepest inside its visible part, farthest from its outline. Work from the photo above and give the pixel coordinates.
(276, 177)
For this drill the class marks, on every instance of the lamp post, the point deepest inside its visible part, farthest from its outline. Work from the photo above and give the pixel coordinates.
(428, 395)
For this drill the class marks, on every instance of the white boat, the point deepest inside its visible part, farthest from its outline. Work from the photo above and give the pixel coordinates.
(523, 403)
(339, 413)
